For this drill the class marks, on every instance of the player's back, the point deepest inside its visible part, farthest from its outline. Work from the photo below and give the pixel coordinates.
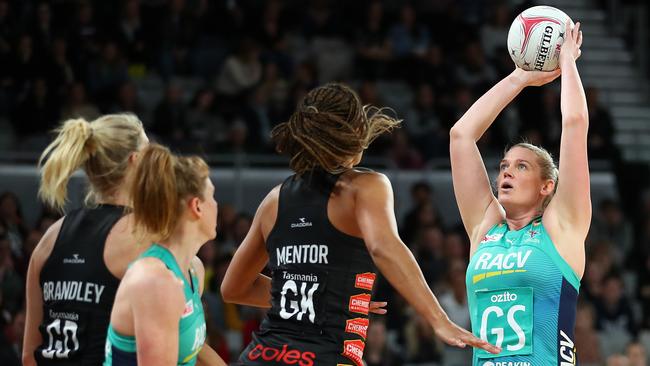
(78, 289)
(322, 279)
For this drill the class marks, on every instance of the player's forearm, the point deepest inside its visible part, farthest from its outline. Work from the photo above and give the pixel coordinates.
(258, 294)
(573, 100)
(399, 267)
(208, 357)
(485, 110)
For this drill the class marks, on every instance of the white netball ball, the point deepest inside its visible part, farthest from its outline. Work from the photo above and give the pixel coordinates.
(536, 36)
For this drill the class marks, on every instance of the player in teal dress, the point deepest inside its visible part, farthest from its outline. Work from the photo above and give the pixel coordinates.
(157, 316)
(527, 243)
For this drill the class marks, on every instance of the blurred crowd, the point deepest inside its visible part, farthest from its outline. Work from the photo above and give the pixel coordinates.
(613, 317)
(215, 76)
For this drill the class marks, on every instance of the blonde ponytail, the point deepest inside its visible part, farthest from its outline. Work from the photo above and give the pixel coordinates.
(67, 153)
(101, 148)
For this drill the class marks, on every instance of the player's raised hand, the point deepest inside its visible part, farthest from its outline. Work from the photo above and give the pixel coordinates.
(572, 42)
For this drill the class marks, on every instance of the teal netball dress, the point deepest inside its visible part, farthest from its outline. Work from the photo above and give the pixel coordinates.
(121, 350)
(522, 297)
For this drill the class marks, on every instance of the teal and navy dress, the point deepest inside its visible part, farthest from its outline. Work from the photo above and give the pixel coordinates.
(121, 349)
(522, 297)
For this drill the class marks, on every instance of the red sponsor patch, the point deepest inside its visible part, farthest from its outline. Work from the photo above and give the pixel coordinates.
(189, 309)
(357, 326)
(365, 280)
(354, 351)
(360, 303)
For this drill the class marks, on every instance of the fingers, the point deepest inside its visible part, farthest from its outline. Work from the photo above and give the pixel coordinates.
(376, 307)
(575, 32)
(479, 343)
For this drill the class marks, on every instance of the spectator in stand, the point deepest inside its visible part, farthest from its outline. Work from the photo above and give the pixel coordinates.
(611, 224)
(614, 315)
(429, 252)
(601, 128)
(36, 114)
(372, 45)
(11, 284)
(106, 74)
(495, 32)
(240, 72)
(586, 336)
(454, 301)
(618, 360)
(421, 343)
(11, 215)
(402, 154)
(636, 353)
(378, 351)
(77, 106)
(169, 122)
(410, 41)
(424, 126)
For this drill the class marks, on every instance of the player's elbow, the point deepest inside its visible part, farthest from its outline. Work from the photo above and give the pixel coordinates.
(579, 119)
(230, 291)
(28, 359)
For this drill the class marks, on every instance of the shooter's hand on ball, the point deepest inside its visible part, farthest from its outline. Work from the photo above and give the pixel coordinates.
(534, 78)
(572, 41)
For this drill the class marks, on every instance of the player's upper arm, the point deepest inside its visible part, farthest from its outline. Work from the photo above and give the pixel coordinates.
(251, 256)
(472, 187)
(34, 294)
(374, 209)
(157, 302)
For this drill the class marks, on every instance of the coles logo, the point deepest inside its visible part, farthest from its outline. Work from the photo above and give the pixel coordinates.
(357, 326)
(360, 304)
(365, 281)
(354, 351)
(284, 356)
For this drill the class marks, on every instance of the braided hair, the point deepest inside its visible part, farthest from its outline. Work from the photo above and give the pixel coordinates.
(328, 128)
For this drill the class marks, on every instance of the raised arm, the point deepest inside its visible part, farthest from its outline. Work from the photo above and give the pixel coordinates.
(376, 219)
(34, 294)
(472, 187)
(571, 205)
(243, 283)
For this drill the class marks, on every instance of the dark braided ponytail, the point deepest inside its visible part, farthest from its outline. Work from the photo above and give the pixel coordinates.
(329, 127)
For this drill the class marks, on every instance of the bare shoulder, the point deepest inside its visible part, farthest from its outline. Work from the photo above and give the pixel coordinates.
(366, 179)
(271, 199)
(148, 275)
(46, 244)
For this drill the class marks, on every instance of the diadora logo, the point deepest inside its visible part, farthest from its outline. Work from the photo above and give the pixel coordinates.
(490, 238)
(507, 363)
(354, 351)
(74, 260)
(504, 297)
(357, 326)
(283, 356)
(302, 223)
(365, 280)
(566, 350)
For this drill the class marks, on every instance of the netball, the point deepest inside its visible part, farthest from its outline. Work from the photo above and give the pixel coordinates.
(535, 38)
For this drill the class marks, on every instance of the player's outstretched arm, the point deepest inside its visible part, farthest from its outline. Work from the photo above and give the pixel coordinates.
(376, 219)
(472, 188)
